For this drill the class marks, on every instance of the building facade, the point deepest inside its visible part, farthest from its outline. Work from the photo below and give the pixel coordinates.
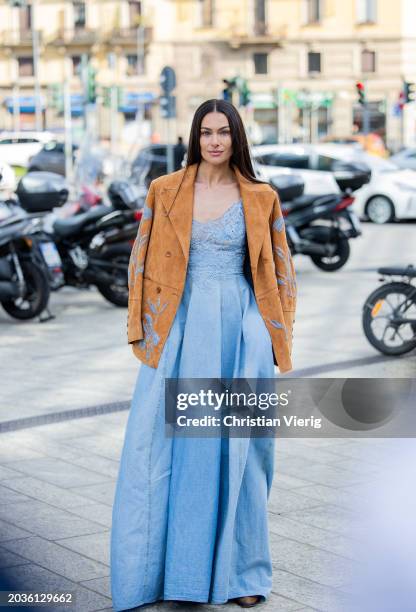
(301, 60)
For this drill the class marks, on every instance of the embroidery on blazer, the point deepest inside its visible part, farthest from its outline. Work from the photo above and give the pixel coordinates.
(279, 326)
(278, 224)
(136, 267)
(287, 279)
(151, 337)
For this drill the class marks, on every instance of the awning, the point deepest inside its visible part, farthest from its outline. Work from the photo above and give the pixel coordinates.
(25, 104)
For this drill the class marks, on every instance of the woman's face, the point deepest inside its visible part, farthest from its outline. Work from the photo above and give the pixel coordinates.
(215, 138)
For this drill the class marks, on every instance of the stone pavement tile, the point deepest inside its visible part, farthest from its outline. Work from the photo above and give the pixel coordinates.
(285, 501)
(35, 578)
(58, 472)
(327, 517)
(45, 492)
(95, 546)
(318, 473)
(357, 465)
(330, 495)
(66, 429)
(309, 593)
(11, 532)
(6, 472)
(284, 481)
(311, 562)
(53, 556)
(98, 444)
(8, 496)
(47, 521)
(103, 493)
(291, 446)
(295, 530)
(100, 585)
(9, 559)
(99, 513)
(274, 603)
(368, 450)
(10, 451)
(95, 463)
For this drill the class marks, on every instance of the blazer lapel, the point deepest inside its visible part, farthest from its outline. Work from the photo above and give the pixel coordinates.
(178, 200)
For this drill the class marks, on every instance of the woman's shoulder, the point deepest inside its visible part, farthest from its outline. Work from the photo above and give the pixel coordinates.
(167, 179)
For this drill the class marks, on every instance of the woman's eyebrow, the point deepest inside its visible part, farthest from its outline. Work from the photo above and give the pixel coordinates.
(221, 128)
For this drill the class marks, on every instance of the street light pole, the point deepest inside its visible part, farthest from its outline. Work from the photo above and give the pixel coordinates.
(35, 52)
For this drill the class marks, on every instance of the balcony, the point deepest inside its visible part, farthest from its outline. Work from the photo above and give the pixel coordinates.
(128, 36)
(76, 36)
(259, 36)
(18, 38)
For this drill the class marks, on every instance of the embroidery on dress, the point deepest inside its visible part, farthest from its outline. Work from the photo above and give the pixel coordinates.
(151, 337)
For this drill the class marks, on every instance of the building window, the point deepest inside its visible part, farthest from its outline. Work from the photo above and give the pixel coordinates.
(76, 64)
(135, 13)
(314, 61)
(25, 66)
(366, 11)
(131, 64)
(313, 11)
(25, 18)
(368, 61)
(259, 17)
(260, 63)
(79, 14)
(206, 13)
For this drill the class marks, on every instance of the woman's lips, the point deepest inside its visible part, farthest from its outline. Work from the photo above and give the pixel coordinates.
(215, 153)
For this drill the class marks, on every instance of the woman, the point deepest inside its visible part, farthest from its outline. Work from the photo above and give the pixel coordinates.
(212, 294)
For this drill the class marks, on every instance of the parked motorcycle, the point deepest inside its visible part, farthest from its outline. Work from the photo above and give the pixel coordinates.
(29, 267)
(95, 246)
(319, 226)
(389, 313)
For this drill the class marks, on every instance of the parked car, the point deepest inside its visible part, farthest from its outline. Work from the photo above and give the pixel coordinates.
(7, 177)
(390, 194)
(405, 159)
(17, 147)
(321, 173)
(51, 158)
(371, 143)
(150, 163)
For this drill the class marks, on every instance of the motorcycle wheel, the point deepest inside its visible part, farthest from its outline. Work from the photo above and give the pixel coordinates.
(378, 319)
(117, 292)
(335, 261)
(36, 297)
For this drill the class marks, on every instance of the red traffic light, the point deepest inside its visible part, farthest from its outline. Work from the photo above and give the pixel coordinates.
(360, 86)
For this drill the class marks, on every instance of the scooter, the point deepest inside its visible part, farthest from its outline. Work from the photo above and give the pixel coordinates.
(389, 312)
(318, 226)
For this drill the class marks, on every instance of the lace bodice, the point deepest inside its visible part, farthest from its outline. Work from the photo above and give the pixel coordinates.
(218, 246)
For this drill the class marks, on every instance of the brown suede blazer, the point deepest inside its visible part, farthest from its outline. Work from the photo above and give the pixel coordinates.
(159, 259)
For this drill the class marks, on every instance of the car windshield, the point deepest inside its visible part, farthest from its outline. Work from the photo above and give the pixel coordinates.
(378, 164)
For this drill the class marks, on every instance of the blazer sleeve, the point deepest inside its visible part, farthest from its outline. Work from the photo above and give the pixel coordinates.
(284, 268)
(136, 269)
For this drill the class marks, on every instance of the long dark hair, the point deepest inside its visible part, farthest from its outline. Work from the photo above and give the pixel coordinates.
(241, 154)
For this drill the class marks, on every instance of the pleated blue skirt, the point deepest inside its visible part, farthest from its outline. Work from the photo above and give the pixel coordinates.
(190, 514)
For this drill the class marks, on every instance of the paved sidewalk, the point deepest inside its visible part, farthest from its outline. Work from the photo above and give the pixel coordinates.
(56, 492)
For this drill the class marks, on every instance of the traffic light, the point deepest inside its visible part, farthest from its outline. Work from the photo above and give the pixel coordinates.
(244, 93)
(409, 90)
(91, 85)
(227, 92)
(167, 106)
(361, 93)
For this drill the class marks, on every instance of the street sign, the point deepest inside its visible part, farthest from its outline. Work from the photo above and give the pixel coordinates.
(167, 107)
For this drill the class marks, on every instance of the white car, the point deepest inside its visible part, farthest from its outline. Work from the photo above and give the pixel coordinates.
(17, 147)
(7, 178)
(390, 194)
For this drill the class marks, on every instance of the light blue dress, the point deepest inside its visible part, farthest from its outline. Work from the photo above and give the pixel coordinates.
(190, 514)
